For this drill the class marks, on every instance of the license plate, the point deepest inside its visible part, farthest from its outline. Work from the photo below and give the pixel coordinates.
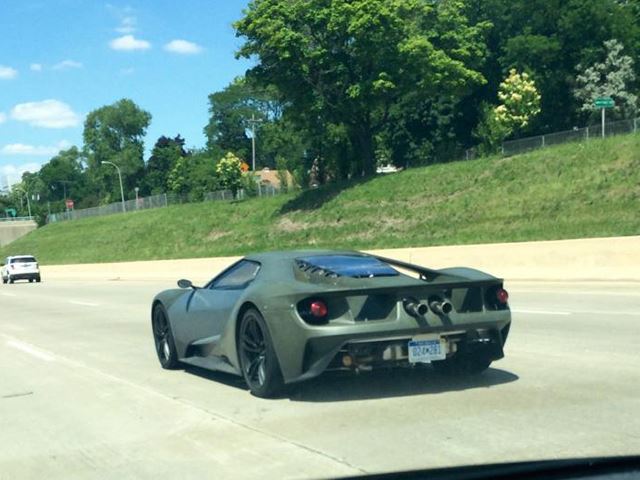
(425, 351)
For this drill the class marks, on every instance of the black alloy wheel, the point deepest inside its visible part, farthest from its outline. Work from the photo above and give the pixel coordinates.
(163, 338)
(257, 356)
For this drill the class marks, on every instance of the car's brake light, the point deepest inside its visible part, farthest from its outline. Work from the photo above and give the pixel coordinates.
(319, 309)
(502, 296)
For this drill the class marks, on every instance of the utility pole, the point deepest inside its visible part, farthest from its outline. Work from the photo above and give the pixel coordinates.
(253, 123)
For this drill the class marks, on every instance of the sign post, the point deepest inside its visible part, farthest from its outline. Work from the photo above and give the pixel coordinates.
(603, 103)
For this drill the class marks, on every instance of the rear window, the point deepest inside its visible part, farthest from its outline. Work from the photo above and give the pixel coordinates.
(23, 260)
(355, 266)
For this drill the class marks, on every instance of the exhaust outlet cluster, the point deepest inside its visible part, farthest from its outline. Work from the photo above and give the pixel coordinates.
(441, 307)
(414, 308)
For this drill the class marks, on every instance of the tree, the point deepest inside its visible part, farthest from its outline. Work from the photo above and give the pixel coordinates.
(520, 101)
(115, 133)
(229, 171)
(164, 156)
(228, 128)
(344, 65)
(193, 175)
(548, 39)
(63, 178)
(609, 78)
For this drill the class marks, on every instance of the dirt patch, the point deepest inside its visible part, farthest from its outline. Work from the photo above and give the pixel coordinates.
(287, 225)
(214, 235)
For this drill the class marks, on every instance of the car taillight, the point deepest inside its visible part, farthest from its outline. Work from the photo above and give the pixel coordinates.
(314, 311)
(502, 296)
(318, 309)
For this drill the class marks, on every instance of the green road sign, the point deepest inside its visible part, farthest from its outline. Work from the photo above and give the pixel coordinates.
(604, 102)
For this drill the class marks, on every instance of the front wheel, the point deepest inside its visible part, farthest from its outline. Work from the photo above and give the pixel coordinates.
(163, 339)
(4, 280)
(257, 356)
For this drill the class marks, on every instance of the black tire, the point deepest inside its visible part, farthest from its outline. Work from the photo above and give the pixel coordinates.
(38, 279)
(258, 360)
(463, 364)
(163, 339)
(4, 280)
(31, 280)
(11, 280)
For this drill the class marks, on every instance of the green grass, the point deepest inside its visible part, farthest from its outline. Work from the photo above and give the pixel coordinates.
(571, 191)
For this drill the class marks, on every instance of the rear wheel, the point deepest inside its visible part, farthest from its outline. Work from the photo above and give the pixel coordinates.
(463, 363)
(11, 280)
(4, 280)
(257, 356)
(163, 338)
(38, 279)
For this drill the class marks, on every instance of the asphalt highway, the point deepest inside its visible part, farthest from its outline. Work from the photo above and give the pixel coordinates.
(82, 395)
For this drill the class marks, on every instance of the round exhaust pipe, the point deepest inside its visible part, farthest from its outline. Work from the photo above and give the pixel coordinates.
(414, 308)
(441, 307)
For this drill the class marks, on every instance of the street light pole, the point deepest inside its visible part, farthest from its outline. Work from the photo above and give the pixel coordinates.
(253, 123)
(28, 203)
(124, 209)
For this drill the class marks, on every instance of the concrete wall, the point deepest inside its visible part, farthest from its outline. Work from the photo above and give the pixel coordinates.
(10, 231)
(595, 259)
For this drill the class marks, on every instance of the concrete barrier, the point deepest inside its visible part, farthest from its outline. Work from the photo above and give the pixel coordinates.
(593, 259)
(12, 230)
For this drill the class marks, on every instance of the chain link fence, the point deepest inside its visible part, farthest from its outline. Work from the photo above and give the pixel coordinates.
(158, 201)
(514, 147)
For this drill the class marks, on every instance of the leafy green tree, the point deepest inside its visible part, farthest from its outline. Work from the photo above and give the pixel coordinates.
(229, 124)
(115, 133)
(63, 175)
(193, 175)
(548, 39)
(164, 156)
(346, 64)
(612, 77)
(229, 171)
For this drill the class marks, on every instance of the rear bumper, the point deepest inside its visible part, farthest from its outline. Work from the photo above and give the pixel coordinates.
(24, 275)
(306, 351)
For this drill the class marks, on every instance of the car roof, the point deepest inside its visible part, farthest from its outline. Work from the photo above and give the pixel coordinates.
(280, 255)
(21, 256)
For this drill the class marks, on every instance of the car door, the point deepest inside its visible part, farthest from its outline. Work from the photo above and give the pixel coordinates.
(208, 309)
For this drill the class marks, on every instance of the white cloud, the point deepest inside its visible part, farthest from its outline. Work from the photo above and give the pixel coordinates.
(3, 117)
(36, 67)
(7, 73)
(127, 25)
(66, 64)
(47, 113)
(127, 71)
(34, 150)
(183, 47)
(128, 43)
(13, 173)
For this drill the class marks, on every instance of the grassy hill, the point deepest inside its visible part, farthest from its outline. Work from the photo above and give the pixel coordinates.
(570, 191)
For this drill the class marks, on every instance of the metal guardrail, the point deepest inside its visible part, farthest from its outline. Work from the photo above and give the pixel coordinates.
(522, 145)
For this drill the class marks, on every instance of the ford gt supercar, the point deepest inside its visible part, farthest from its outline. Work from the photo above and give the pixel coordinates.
(282, 317)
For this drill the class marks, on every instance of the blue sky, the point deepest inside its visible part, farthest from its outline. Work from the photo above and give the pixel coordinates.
(60, 59)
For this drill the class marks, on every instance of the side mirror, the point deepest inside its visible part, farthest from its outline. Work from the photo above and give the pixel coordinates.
(184, 283)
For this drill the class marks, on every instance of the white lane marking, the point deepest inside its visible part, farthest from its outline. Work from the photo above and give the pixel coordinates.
(9, 294)
(540, 312)
(31, 350)
(85, 304)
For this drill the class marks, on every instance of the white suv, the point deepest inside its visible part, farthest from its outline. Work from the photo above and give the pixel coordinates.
(20, 267)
